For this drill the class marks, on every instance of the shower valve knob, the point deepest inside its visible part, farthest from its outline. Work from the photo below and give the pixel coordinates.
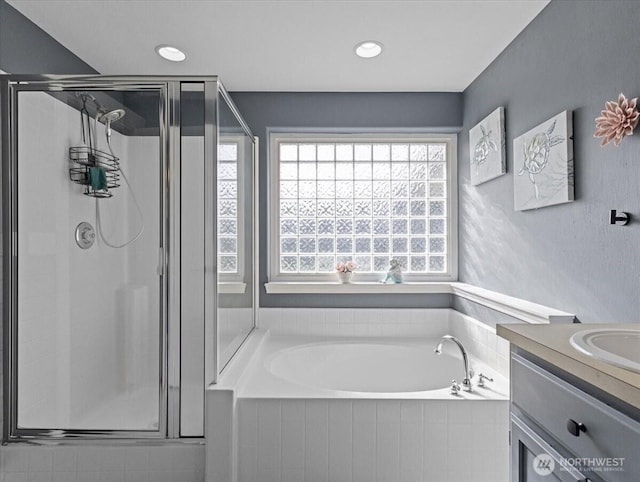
(85, 235)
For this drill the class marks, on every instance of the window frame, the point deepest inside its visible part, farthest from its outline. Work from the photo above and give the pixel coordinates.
(239, 274)
(278, 137)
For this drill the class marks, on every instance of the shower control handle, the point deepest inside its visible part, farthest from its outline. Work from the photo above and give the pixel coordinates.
(85, 235)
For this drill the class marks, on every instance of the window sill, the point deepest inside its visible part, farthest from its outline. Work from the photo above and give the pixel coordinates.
(356, 288)
(517, 308)
(231, 287)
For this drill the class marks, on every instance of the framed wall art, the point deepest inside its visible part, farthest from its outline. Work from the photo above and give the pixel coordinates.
(487, 148)
(543, 164)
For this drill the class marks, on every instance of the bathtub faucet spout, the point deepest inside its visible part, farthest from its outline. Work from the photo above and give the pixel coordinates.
(466, 382)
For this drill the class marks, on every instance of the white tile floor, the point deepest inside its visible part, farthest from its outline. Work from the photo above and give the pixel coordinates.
(174, 463)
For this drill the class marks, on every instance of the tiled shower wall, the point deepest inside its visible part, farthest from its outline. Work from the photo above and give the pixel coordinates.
(68, 323)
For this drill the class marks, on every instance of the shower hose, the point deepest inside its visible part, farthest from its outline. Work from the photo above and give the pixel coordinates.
(133, 196)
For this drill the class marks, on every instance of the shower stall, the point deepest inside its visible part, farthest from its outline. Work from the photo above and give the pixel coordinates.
(128, 215)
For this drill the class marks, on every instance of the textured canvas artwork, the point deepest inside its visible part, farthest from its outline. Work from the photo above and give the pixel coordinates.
(543, 164)
(487, 148)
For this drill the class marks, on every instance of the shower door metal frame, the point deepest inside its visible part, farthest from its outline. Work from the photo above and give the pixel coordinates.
(169, 88)
(12, 88)
(169, 282)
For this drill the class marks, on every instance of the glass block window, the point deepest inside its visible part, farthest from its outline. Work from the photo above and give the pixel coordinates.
(228, 220)
(367, 200)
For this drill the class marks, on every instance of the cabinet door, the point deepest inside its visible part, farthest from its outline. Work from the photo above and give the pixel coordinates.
(608, 436)
(534, 460)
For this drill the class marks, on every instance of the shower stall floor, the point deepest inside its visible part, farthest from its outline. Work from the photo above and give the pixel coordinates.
(134, 410)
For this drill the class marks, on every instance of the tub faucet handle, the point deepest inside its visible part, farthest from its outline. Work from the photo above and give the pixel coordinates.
(455, 388)
(467, 385)
(481, 378)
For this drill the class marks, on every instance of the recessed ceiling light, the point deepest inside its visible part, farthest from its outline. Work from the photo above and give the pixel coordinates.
(170, 53)
(368, 49)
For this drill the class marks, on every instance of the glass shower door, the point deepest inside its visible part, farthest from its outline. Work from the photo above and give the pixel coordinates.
(88, 308)
(235, 221)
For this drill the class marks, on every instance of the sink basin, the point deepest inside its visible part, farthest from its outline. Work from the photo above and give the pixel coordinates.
(619, 347)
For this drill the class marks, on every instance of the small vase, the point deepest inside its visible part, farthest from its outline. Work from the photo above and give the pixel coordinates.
(345, 277)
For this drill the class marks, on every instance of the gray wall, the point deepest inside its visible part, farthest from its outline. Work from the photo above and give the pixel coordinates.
(575, 55)
(27, 49)
(342, 112)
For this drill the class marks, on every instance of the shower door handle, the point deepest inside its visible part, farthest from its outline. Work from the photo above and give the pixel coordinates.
(162, 262)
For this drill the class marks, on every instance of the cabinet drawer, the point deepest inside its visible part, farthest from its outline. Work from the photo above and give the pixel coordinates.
(559, 408)
(526, 446)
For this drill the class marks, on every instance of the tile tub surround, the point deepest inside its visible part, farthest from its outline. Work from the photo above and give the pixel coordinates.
(279, 431)
(481, 341)
(368, 440)
(72, 463)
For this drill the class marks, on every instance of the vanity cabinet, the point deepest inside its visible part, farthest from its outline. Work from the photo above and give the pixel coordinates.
(562, 433)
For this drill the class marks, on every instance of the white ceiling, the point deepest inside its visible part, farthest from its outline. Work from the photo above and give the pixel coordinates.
(291, 45)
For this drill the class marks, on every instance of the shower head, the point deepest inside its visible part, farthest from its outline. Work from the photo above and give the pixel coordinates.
(107, 118)
(111, 116)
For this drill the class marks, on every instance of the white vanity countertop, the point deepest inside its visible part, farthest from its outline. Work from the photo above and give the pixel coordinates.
(551, 343)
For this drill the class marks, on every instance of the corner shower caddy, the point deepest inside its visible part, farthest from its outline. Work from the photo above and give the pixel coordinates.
(85, 157)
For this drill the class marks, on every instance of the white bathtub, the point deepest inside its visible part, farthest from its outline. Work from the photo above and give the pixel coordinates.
(370, 366)
(332, 367)
(355, 409)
